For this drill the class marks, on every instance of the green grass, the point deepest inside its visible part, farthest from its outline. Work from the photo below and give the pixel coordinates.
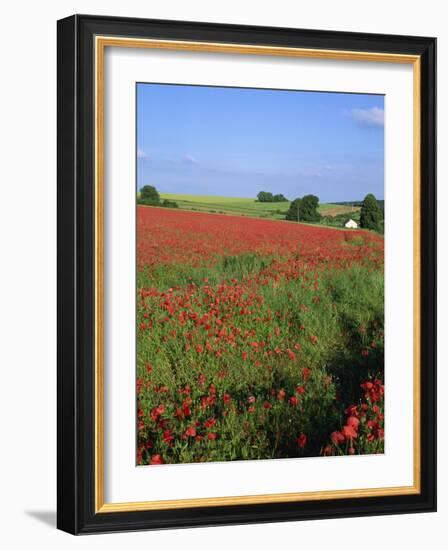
(240, 206)
(229, 205)
(344, 313)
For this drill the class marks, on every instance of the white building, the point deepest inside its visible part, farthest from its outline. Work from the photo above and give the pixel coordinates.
(351, 224)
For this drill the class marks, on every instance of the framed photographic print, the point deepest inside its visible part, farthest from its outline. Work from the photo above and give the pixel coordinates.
(246, 274)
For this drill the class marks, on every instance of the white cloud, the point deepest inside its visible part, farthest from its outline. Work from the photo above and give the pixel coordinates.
(369, 117)
(141, 154)
(190, 159)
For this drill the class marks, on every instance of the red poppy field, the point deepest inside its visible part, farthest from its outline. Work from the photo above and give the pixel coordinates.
(256, 339)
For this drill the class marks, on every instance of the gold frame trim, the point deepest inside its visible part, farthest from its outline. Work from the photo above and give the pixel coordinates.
(101, 42)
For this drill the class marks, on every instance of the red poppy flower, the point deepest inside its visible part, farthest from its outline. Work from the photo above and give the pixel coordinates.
(168, 436)
(301, 440)
(209, 423)
(156, 412)
(293, 401)
(190, 431)
(306, 372)
(349, 432)
(157, 459)
(328, 450)
(337, 438)
(353, 422)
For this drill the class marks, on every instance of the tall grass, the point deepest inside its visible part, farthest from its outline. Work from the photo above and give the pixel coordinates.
(263, 343)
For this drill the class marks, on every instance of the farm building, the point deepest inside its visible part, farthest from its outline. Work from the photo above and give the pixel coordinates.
(351, 224)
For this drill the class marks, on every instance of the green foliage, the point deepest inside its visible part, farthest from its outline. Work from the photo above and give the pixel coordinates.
(169, 204)
(279, 198)
(149, 195)
(304, 209)
(340, 219)
(265, 196)
(371, 214)
(346, 312)
(294, 207)
(308, 209)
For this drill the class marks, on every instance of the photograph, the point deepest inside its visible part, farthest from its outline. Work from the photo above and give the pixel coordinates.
(259, 274)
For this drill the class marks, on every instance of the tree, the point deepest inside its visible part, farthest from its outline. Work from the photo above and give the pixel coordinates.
(308, 209)
(149, 195)
(294, 210)
(371, 214)
(304, 209)
(279, 198)
(265, 196)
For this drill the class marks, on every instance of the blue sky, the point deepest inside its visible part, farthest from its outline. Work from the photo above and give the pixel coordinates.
(239, 141)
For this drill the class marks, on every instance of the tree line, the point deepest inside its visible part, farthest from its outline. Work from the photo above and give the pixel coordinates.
(266, 196)
(301, 209)
(149, 196)
(305, 209)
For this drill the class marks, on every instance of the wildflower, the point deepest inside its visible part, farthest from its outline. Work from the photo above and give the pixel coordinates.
(156, 412)
(337, 438)
(168, 437)
(306, 373)
(353, 422)
(190, 432)
(349, 432)
(328, 450)
(281, 394)
(209, 423)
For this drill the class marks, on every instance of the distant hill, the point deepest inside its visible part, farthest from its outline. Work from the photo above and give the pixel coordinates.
(239, 206)
(359, 203)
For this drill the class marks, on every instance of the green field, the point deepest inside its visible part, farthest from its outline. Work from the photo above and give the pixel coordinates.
(244, 206)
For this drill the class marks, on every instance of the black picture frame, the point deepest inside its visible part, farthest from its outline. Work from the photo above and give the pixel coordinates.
(76, 255)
